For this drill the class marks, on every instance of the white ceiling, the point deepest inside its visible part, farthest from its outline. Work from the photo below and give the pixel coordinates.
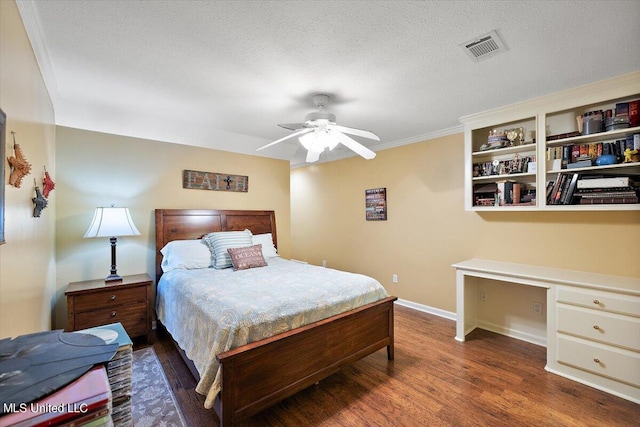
(222, 74)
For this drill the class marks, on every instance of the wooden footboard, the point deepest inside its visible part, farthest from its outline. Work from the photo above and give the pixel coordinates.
(258, 375)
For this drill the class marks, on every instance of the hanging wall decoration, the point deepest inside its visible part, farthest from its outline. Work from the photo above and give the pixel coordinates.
(39, 202)
(47, 184)
(20, 167)
(215, 181)
(376, 204)
(3, 145)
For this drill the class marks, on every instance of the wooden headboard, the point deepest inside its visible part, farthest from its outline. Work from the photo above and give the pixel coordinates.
(186, 224)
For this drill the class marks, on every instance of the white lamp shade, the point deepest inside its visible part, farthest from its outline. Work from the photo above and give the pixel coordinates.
(111, 222)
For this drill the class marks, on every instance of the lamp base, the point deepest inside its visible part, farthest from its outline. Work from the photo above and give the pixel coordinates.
(113, 278)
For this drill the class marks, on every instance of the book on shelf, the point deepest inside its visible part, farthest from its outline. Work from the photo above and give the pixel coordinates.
(604, 182)
(571, 188)
(551, 195)
(580, 164)
(562, 191)
(634, 117)
(608, 200)
(622, 109)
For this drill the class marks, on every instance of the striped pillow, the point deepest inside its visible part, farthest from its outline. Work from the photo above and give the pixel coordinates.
(220, 241)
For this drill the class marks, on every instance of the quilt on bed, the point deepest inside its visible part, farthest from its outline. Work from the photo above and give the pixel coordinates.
(209, 311)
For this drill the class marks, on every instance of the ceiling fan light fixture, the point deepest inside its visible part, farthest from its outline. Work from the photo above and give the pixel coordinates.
(320, 131)
(311, 143)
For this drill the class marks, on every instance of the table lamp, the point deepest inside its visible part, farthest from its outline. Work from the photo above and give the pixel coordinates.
(112, 222)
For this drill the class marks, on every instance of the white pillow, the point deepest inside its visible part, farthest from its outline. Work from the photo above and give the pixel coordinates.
(220, 241)
(185, 254)
(266, 240)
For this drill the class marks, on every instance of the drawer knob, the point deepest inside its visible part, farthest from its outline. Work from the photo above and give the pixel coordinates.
(596, 302)
(112, 297)
(596, 327)
(113, 314)
(596, 360)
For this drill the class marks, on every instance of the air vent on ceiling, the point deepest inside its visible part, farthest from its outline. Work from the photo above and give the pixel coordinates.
(484, 46)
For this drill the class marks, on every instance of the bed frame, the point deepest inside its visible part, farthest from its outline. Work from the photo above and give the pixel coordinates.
(260, 374)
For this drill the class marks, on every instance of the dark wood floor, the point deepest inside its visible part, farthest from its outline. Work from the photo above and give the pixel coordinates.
(490, 380)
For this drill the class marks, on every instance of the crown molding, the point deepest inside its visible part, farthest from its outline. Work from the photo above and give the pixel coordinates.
(35, 33)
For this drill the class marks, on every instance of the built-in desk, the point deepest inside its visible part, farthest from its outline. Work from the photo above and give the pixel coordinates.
(593, 320)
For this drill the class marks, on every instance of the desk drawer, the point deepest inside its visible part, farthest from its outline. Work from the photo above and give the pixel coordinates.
(109, 298)
(598, 300)
(133, 318)
(610, 328)
(611, 362)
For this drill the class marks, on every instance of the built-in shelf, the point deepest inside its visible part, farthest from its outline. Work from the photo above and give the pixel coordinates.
(539, 118)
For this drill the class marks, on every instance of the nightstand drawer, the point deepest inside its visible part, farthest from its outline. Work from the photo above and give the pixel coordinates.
(133, 318)
(109, 298)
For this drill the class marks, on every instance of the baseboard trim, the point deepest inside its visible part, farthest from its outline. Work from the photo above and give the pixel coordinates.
(426, 309)
(523, 336)
(512, 333)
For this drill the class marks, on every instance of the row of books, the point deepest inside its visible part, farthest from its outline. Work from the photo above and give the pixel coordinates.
(569, 154)
(503, 167)
(574, 188)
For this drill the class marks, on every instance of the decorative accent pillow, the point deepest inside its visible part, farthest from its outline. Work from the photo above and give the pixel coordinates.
(185, 254)
(266, 240)
(220, 241)
(248, 257)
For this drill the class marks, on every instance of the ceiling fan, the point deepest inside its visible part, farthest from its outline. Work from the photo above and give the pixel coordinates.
(320, 131)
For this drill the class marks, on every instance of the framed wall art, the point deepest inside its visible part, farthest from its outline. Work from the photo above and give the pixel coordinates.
(3, 161)
(376, 204)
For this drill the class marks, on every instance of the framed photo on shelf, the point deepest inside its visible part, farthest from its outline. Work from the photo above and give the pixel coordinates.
(376, 204)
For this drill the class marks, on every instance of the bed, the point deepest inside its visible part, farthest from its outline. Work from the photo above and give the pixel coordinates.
(256, 375)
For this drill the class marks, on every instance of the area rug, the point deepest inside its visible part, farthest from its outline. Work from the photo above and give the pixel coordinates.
(153, 403)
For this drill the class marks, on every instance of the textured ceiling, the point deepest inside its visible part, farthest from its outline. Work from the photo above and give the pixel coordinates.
(222, 74)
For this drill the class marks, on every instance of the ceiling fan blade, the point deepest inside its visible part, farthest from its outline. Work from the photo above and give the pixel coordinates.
(292, 126)
(354, 146)
(357, 132)
(312, 156)
(298, 133)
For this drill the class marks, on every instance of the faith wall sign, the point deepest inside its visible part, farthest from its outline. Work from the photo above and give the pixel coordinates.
(198, 180)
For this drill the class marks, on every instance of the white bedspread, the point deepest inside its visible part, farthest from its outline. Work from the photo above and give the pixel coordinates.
(209, 311)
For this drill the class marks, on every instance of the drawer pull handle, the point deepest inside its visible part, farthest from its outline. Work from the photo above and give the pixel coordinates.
(112, 297)
(113, 314)
(596, 302)
(596, 327)
(596, 360)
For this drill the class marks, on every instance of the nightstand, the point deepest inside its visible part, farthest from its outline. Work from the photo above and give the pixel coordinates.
(96, 302)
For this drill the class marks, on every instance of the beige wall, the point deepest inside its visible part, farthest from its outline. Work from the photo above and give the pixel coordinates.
(98, 169)
(428, 229)
(27, 265)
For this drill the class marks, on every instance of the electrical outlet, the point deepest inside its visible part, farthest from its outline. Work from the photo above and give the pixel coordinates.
(394, 278)
(324, 262)
(483, 296)
(537, 307)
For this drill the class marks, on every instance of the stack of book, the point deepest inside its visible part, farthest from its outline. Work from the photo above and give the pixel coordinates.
(607, 190)
(119, 370)
(83, 402)
(562, 190)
